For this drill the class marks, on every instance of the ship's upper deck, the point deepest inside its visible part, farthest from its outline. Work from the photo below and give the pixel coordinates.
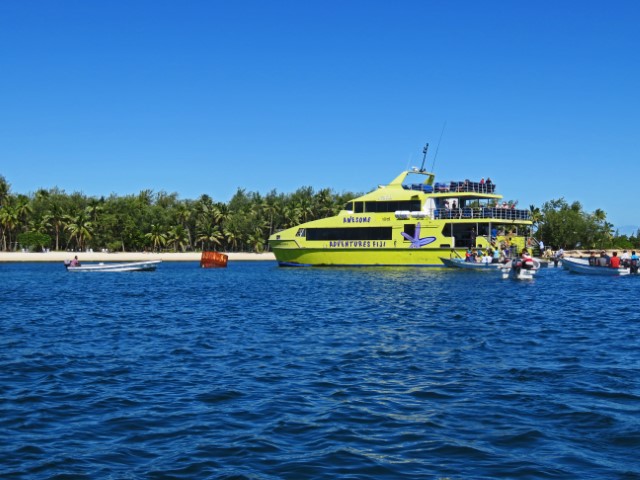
(462, 200)
(453, 186)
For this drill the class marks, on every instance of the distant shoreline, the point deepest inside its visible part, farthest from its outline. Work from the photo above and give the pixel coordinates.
(124, 256)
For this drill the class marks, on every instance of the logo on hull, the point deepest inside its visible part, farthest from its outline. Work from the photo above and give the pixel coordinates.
(416, 241)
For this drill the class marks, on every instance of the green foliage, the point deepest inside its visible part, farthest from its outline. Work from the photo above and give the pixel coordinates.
(34, 240)
(560, 224)
(115, 246)
(159, 221)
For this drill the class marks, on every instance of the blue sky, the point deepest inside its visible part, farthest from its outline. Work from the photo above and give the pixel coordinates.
(208, 96)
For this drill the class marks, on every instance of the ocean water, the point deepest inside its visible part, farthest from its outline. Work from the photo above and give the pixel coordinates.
(260, 372)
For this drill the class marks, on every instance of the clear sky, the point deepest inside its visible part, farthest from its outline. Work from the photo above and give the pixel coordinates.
(208, 96)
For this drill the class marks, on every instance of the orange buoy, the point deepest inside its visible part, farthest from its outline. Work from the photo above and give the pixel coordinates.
(213, 260)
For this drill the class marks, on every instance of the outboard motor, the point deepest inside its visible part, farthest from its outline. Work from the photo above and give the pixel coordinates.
(516, 264)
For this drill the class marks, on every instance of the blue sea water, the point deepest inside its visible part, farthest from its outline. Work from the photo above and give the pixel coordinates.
(260, 372)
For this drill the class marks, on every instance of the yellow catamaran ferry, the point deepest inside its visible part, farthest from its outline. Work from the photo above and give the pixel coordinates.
(408, 223)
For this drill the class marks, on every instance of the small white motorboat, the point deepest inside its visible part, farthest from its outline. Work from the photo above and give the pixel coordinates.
(515, 271)
(581, 265)
(518, 274)
(478, 266)
(146, 266)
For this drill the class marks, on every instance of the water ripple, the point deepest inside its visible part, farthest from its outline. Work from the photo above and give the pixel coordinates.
(256, 372)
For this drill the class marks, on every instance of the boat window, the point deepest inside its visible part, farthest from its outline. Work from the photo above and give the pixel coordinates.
(384, 207)
(359, 207)
(410, 229)
(349, 206)
(300, 232)
(371, 206)
(353, 233)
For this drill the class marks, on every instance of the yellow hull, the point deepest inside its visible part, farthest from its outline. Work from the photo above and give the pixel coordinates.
(320, 257)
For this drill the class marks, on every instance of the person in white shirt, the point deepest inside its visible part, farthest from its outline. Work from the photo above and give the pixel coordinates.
(624, 258)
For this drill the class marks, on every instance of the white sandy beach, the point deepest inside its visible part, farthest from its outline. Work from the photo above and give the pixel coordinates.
(123, 256)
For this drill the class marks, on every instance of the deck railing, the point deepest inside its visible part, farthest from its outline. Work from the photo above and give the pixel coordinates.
(466, 186)
(482, 212)
(467, 213)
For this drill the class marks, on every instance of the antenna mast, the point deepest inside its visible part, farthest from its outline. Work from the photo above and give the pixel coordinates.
(424, 156)
(438, 146)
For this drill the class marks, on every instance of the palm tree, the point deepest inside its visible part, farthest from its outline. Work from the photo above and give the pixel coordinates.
(55, 219)
(203, 206)
(232, 236)
(4, 197)
(179, 237)
(93, 209)
(166, 200)
(599, 216)
(209, 234)
(9, 220)
(256, 240)
(145, 198)
(80, 227)
(304, 206)
(5, 188)
(23, 209)
(156, 236)
(183, 216)
(291, 215)
(324, 204)
(270, 207)
(536, 216)
(221, 213)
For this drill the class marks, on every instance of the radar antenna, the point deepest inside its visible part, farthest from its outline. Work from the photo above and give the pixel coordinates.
(424, 156)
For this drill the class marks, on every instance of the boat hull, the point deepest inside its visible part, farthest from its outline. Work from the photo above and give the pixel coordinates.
(475, 266)
(147, 266)
(409, 257)
(581, 266)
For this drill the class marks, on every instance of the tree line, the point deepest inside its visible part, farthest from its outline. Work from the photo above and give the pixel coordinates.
(155, 221)
(566, 225)
(160, 221)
